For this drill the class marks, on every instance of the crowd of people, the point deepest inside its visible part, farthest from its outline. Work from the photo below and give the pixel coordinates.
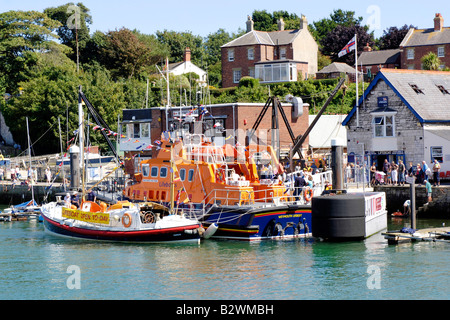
(15, 175)
(396, 173)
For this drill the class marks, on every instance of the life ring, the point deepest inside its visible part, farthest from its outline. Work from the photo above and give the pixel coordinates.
(308, 194)
(127, 217)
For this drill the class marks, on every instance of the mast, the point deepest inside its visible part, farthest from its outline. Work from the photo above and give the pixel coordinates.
(29, 157)
(81, 135)
(172, 178)
(62, 155)
(356, 69)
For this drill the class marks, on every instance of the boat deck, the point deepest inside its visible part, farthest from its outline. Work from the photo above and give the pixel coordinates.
(441, 234)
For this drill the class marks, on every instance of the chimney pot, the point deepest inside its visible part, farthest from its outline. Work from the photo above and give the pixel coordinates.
(303, 22)
(187, 54)
(438, 22)
(367, 48)
(250, 24)
(280, 24)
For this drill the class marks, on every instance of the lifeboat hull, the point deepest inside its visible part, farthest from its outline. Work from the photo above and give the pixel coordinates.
(174, 234)
(250, 224)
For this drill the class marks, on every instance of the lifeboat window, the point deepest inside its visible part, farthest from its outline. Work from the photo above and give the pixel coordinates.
(163, 172)
(145, 170)
(163, 195)
(190, 175)
(155, 172)
(151, 194)
(182, 174)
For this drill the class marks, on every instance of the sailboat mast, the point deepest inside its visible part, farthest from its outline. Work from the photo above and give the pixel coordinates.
(81, 136)
(29, 157)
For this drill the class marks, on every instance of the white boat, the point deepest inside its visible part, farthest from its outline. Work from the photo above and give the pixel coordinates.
(123, 221)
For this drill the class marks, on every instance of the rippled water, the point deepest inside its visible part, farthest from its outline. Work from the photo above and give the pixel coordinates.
(34, 265)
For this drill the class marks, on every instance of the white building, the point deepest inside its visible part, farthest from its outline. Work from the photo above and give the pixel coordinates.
(186, 66)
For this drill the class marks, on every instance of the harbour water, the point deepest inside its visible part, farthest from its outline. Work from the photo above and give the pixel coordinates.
(35, 265)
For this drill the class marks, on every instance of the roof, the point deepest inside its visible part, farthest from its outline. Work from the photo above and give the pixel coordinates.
(327, 128)
(429, 104)
(391, 56)
(337, 67)
(271, 38)
(136, 115)
(424, 37)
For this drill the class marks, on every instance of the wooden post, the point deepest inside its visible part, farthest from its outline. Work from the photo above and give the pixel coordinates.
(412, 191)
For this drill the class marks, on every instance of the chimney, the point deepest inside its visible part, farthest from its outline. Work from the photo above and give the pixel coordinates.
(280, 24)
(438, 22)
(303, 22)
(367, 48)
(187, 54)
(250, 24)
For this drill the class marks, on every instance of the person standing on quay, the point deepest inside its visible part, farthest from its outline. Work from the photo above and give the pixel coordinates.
(436, 173)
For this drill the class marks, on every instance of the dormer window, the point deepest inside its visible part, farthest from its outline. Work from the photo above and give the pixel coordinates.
(442, 89)
(416, 88)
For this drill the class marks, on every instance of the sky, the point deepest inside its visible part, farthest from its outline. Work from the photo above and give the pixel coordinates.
(205, 17)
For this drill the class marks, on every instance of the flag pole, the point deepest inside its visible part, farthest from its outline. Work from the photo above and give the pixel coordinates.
(356, 74)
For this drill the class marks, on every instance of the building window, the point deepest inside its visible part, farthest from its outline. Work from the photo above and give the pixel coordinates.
(236, 76)
(383, 126)
(416, 88)
(279, 72)
(441, 52)
(138, 130)
(410, 54)
(251, 53)
(443, 89)
(231, 55)
(283, 53)
(145, 130)
(437, 154)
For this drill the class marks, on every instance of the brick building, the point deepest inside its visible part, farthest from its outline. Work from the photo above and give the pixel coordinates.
(278, 56)
(419, 42)
(374, 61)
(403, 115)
(235, 119)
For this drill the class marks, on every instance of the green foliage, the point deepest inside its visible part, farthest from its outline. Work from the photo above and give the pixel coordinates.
(431, 61)
(249, 82)
(38, 70)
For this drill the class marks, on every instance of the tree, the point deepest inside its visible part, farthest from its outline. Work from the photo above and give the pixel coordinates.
(333, 43)
(177, 42)
(431, 61)
(125, 55)
(67, 32)
(320, 29)
(22, 34)
(264, 21)
(392, 37)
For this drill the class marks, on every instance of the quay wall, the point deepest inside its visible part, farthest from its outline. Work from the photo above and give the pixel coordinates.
(438, 208)
(21, 193)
